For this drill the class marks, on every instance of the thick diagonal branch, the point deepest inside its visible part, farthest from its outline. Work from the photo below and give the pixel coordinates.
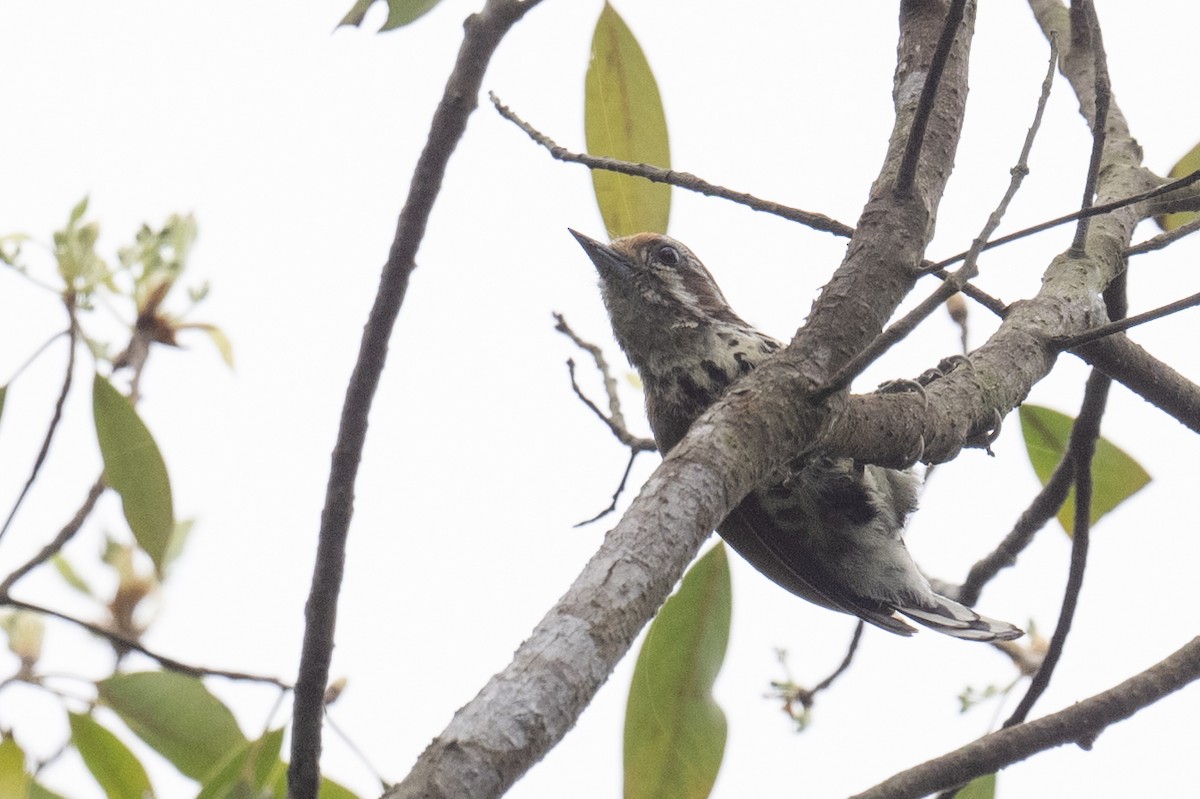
(525, 709)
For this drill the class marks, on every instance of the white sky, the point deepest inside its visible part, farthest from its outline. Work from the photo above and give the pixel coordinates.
(293, 147)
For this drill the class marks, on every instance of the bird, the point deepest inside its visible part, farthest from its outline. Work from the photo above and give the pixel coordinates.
(832, 531)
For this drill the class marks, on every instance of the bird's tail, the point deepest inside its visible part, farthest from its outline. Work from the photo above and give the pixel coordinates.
(951, 618)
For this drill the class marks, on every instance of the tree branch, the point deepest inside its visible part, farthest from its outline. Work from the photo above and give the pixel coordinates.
(527, 708)
(56, 417)
(672, 177)
(482, 35)
(1081, 724)
(126, 642)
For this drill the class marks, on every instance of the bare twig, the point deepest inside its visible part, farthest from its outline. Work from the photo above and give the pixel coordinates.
(792, 692)
(129, 643)
(1095, 210)
(1043, 508)
(56, 417)
(933, 77)
(64, 535)
(482, 35)
(615, 419)
(614, 424)
(1079, 723)
(1081, 448)
(683, 180)
(1132, 321)
(690, 182)
(957, 280)
(1164, 239)
(612, 506)
(846, 661)
(1085, 31)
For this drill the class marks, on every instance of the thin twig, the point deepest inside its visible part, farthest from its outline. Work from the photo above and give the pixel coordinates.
(954, 282)
(792, 693)
(1085, 28)
(1131, 321)
(483, 32)
(64, 535)
(933, 77)
(616, 424)
(690, 182)
(1095, 210)
(1079, 723)
(124, 642)
(45, 345)
(1043, 508)
(612, 506)
(684, 180)
(846, 661)
(1164, 239)
(55, 418)
(357, 751)
(1082, 447)
(615, 419)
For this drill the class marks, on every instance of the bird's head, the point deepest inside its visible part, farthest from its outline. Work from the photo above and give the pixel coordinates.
(654, 288)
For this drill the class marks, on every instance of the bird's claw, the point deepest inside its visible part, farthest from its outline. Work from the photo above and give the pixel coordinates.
(984, 439)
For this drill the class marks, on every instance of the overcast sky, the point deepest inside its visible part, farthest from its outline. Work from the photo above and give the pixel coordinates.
(293, 144)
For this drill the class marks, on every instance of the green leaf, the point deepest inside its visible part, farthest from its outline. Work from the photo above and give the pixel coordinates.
(75, 250)
(1115, 475)
(114, 766)
(134, 468)
(177, 716)
(979, 788)
(3, 396)
(623, 118)
(72, 577)
(15, 781)
(674, 730)
(400, 12)
(1186, 166)
(252, 770)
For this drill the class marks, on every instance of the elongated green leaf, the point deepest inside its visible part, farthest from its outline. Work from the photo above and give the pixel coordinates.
(1115, 475)
(979, 788)
(674, 730)
(400, 12)
(251, 770)
(177, 717)
(134, 467)
(1185, 166)
(70, 576)
(14, 779)
(623, 118)
(114, 766)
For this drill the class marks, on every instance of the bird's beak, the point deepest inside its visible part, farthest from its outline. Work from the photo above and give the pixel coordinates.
(606, 259)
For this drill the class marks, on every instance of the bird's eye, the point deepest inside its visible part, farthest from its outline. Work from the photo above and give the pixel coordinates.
(668, 255)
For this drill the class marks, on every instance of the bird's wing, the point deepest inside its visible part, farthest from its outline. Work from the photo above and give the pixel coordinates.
(785, 559)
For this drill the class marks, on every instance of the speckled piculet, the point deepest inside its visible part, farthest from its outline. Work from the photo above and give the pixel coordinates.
(832, 532)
